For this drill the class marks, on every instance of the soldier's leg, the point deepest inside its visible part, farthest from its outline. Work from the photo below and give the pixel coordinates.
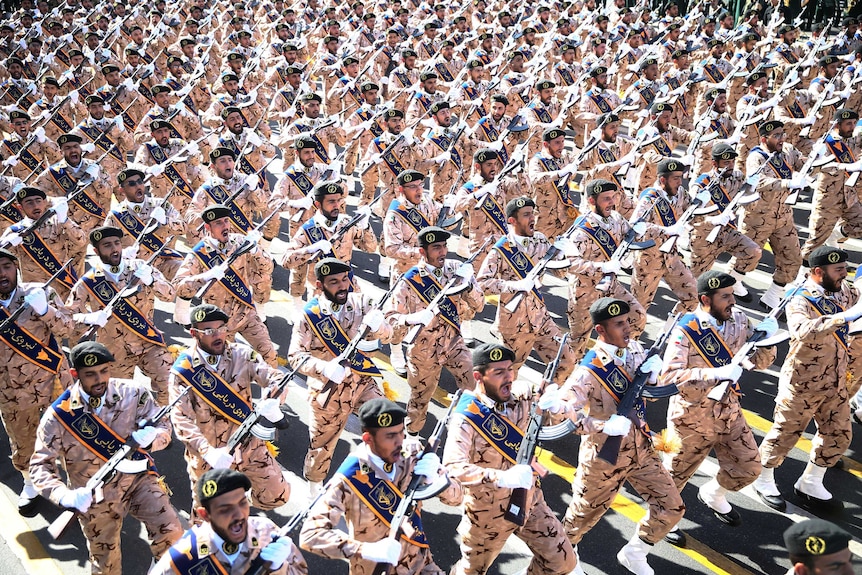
(788, 255)
(521, 343)
(459, 361)
(255, 333)
(757, 227)
(595, 485)
(826, 210)
(100, 525)
(547, 344)
(329, 415)
(369, 187)
(792, 414)
(647, 274)
(546, 538)
(834, 431)
(580, 325)
(703, 253)
(155, 363)
(423, 374)
(269, 488)
(169, 267)
(655, 485)
(681, 281)
(697, 435)
(736, 451)
(20, 419)
(297, 281)
(854, 367)
(483, 536)
(746, 253)
(149, 504)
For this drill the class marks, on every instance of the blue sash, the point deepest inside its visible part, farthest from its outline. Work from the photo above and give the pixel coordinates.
(717, 194)
(565, 76)
(186, 557)
(403, 79)
(158, 154)
(102, 141)
(212, 388)
(11, 213)
(796, 110)
(427, 288)
(390, 159)
(83, 200)
(244, 165)
(781, 169)
(661, 207)
(607, 156)
(788, 56)
(48, 357)
(231, 281)
(600, 235)
(300, 180)
(520, 262)
(599, 101)
(410, 215)
(718, 127)
(500, 433)
(130, 316)
(492, 135)
(220, 196)
(824, 306)
(474, 94)
(550, 165)
(366, 115)
(117, 109)
(26, 156)
(842, 151)
(491, 209)
(614, 379)
(151, 241)
(319, 148)
(708, 343)
(34, 246)
(353, 92)
(662, 147)
(541, 113)
(315, 233)
(332, 335)
(715, 75)
(444, 72)
(443, 143)
(380, 495)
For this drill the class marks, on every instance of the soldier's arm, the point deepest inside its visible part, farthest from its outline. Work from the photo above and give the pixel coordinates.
(300, 348)
(58, 318)
(146, 408)
(187, 279)
(43, 467)
(804, 323)
(577, 392)
(458, 453)
(538, 175)
(385, 331)
(397, 307)
(583, 265)
(320, 534)
(163, 289)
(762, 357)
(676, 369)
(394, 244)
(490, 276)
(183, 416)
(365, 240)
(295, 253)
(258, 370)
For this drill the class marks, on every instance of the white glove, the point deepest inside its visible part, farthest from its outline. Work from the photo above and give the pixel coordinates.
(80, 499)
(443, 158)
(218, 458)
(215, 273)
(552, 399)
(516, 477)
(128, 84)
(374, 319)
(362, 224)
(334, 371)
(721, 219)
(808, 121)
(734, 139)
(797, 182)
(192, 149)
(617, 426)
(730, 372)
(465, 271)
(640, 228)
(252, 182)
(145, 436)
(118, 122)
(253, 236)
(336, 166)
(73, 97)
(39, 134)
(38, 300)
(88, 148)
(525, 284)
(851, 314)
(11, 161)
(769, 326)
(13, 239)
(567, 247)
(155, 170)
(487, 189)
(159, 215)
(854, 167)
(496, 146)
(277, 552)
(428, 466)
(269, 408)
(99, 318)
(652, 366)
(302, 203)
(253, 138)
(130, 252)
(93, 170)
(324, 246)
(48, 59)
(422, 317)
(145, 274)
(675, 230)
(384, 551)
(611, 267)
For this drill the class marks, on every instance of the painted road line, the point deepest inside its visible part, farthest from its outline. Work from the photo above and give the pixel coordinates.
(23, 542)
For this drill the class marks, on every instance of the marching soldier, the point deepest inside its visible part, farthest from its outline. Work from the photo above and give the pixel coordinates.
(548, 172)
(232, 287)
(104, 138)
(123, 97)
(220, 374)
(252, 110)
(59, 110)
(600, 99)
(366, 123)
(338, 385)
(482, 462)
(443, 152)
(590, 398)
(26, 151)
(812, 384)
(605, 159)
(503, 272)
(80, 429)
(379, 464)
(127, 322)
(322, 132)
(699, 357)
(439, 343)
(32, 364)
(403, 155)
(185, 124)
(229, 539)
(669, 137)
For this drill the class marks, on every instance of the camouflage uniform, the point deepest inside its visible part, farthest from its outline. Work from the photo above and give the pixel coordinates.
(482, 226)
(554, 214)
(190, 170)
(100, 190)
(400, 239)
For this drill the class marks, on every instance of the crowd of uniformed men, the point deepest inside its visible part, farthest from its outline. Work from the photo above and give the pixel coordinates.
(590, 141)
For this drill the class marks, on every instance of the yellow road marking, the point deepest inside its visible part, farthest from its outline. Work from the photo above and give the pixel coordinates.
(709, 558)
(23, 542)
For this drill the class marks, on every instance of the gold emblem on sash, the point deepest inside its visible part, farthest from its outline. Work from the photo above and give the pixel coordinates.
(327, 329)
(495, 428)
(520, 261)
(205, 380)
(710, 345)
(384, 496)
(86, 426)
(618, 381)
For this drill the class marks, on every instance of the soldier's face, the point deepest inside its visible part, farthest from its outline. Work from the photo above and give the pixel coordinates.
(497, 380)
(219, 229)
(228, 515)
(671, 182)
(21, 126)
(444, 117)
(662, 121)
(610, 131)
(162, 136)
(133, 189)
(435, 254)
(33, 207)
(371, 97)
(71, 153)
(133, 58)
(497, 110)
(110, 251)
(722, 164)
(210, 336)
(311, 109)
(601, 81)
(162, 99)
(76, 61)
(604, 203)
(412, 192)
(720, 104)
(489, 169)
(223, 166)
(719, 304)
(336, 287)
(476, 73)
(555, 146)
(234, 123)
(840, 563)
(8, 276)
(546, 95)
(97, 110)
(651, 72)
(112, 78)
(15, 70)
(430, 85)
(386, 442)
(615, 331)
(845, 128)
(306, 157)
(352, 69)
(50, 90)
(524, 222)
(831, 70)
(94, 380)
(774, 141)
(231, 87)
(331, 206)
(830, 276)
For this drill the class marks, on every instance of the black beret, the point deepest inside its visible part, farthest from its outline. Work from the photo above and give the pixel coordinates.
(18, 115)
(670, 165)
(785, 29)
(545, 85)
(713, 42)
(381, 412)
(674, 26)
(30, 192)
(845, 114)
(207, 312)
(73, 53)
(4, 253)
(607, 308)
(432, 235)
(13, 60)
(215, 212)
(303, 142)
(349, 60)
(602, 18)
(328, 39)
(233, 56)
(51, 81)
(228, 110)
(769, 126)
(723, 151)
(754, 77)
(501, 98)
(437, 106)
(288, 47)
(66, 138)
(408, 53)
(102, 232)
(368, 87)
(712, 280)
(598, 71)
(825, 255)
(485, 36)
(229, 77)
(394, 114)
(606, 119)
(430, 25)
(107, 69)
(158, 124)
(368, 16)
(217, 153)
(676, 54)
(292, 69)
(94, 99)
(714, 93)
(552, 134)
(567, 48)
(89, 354)
(751, 37)
(483, 155)
(489, 352)
(516, 204)
(596, 187)
(330, 266)
(128, 173)
(815, 537)
(160, 88)
(327, 188)
(174, 60)
(447, 44)
(217, 482)
(659, 107)
(311, 97)
(826, 60)
(598, 41)
(515, 53)
(187, 41)
(473, 64)
(408, 176)
(428, 76)
(648, 62)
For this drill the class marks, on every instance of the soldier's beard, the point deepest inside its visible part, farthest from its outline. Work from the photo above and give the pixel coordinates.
(338, 298)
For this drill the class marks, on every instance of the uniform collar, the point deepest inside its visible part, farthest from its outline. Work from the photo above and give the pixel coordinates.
(113, 273)
(7, 302)
(706, 319)
(608, 352)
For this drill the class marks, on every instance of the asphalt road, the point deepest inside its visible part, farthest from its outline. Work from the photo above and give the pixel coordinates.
(754, 547)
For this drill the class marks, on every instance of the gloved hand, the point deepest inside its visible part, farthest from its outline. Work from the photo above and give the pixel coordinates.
(611, 267)
(73, 97)
(192, 148)
(61, 209)
(516, 477)
(155, 170)
(270, 408)
(11, 161)
(130, 252)
(145, 436)
(80, 499)
(252, 182)
(254, 236)
(13, 239)
(88, 148)
(797, 182)
(567, 247)
(384, 551)
(374, 319)
(215, 272)
(730, 372)
(277, 552)
(128, 84)
(854, 167)
(218, 458)
(334, 371)
(721, 219)
(421, 317)
(99, 318)
(39, 134)
(640, 228)
(617, 426)
(552, 399)
(443, 158)
(675, 230)
(252, 137)
(324, 246)
(303, 203)
(159, 215)
(93, 170)
(118, 122)
(37, 300)
(145, 274)
(428, 466)
(525, 284)
(486, 189)
(362, 224)
(496, 146)
(465, 271)
(336, 166)
(734, 139)
(808, 121)
(769, 326)
(853, 313)
(652, 366)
